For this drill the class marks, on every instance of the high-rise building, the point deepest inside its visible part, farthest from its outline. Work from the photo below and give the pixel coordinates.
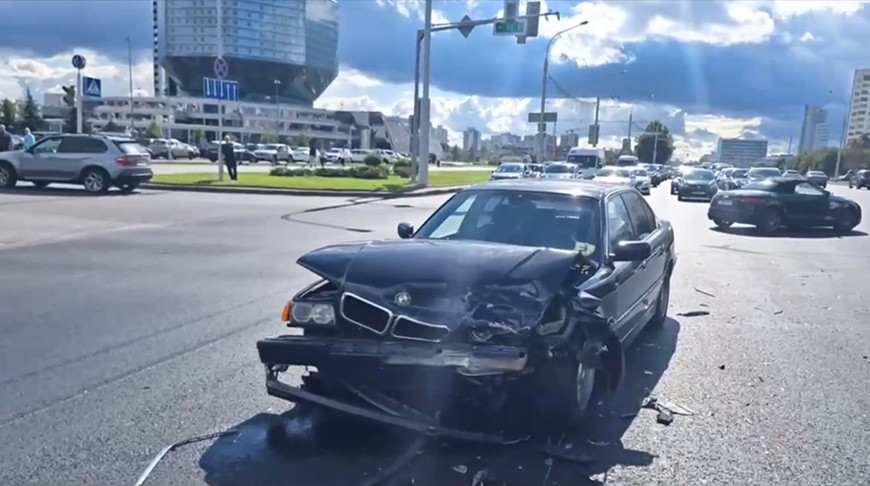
(814, 131)
(859, 108)
(442, 135)
(570, 139)
(470, 139)
(741, 152)
(286, 47)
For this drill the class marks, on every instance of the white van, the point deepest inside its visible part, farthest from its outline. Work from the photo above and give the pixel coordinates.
(587, 160)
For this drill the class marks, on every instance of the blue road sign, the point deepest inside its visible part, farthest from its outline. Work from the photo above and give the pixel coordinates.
(93, 87)
(220, 89)
(78, 61)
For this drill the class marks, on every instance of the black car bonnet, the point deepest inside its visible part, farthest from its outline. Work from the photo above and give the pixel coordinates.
(446, 281)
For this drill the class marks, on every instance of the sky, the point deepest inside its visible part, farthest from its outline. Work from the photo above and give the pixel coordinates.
(706, 69)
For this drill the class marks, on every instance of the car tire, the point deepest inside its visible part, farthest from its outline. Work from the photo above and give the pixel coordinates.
(846, 221)
(8, 177)
(190, 156)
(850, 184)
(128, 188)
(96, 181)
(568, 393)
(679, 197)
(772, 221)
(40, 184)
(723, 224)
(662, 302)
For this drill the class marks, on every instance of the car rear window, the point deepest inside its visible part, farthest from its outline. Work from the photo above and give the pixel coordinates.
(131, 147)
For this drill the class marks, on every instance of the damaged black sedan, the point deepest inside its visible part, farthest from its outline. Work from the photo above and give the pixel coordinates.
(513, 294)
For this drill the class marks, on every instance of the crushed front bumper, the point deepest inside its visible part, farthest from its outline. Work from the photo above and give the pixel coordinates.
(278, 353)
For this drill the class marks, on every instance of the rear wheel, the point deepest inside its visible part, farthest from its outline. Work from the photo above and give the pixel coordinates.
(722, 223)
(8, 178)
(772, 221)
(662, 303)
(96, 181)
(846, 221)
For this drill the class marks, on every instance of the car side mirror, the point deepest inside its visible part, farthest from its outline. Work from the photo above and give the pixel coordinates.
(631, 251)
(405, 230)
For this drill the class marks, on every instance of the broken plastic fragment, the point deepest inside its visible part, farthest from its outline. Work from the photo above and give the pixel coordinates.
(665, 416)
(460, 469)
(696, 313)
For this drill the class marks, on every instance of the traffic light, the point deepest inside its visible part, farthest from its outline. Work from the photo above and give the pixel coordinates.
(69, 95)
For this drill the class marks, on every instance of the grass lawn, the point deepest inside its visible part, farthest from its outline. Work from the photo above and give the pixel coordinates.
(436, 179)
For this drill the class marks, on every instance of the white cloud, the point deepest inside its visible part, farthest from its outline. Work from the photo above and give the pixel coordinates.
(784, 9)
(48, 74)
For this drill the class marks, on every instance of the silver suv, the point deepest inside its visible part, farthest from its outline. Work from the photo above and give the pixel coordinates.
(95, 161)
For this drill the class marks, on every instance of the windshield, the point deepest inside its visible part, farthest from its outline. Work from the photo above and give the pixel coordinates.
(535, 167)
(512, 168)
(763, 185)
(700, 175)
(559, 169)
(739, 173)
(639, 172)
(608, 172)
(533, 219)
(584, 161)
(763, 173)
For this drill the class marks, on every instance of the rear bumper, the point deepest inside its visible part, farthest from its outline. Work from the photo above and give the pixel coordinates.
(133, 176)
(308, 351)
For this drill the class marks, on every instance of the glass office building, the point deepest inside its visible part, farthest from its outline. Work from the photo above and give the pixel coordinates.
(283, 47)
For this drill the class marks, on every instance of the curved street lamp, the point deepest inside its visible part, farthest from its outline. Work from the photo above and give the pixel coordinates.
(541, 131)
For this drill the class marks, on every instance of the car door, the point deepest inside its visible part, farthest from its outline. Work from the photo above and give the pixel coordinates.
(812, 202)
(75, 152)
(651, 270)
(627, 283)
(40, 161)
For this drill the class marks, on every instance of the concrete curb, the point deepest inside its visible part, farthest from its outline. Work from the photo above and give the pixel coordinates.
(302, 192)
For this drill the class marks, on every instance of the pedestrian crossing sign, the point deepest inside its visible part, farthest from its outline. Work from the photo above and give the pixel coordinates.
(93, 87)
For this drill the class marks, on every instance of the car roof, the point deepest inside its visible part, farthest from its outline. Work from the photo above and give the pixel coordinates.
(568, 187)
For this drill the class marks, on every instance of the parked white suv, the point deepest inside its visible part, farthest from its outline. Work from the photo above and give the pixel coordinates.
(97, 162)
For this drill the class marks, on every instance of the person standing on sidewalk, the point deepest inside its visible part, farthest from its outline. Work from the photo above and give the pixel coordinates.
(5, 139)
(29, 139)
(312, 153)
(229, 154)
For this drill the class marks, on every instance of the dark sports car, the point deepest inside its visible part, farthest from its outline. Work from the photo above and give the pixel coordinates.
(513, 294)
(772, 203)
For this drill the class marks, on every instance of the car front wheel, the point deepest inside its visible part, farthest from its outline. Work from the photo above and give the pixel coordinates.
(8, 178)
(846, 221)
(722, 223)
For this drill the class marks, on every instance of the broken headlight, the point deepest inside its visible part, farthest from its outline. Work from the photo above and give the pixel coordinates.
(311, 313)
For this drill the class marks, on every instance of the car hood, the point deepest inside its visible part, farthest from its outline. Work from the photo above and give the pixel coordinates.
(450, 283)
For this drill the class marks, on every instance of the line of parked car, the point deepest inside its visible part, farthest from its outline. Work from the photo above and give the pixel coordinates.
(628, 170)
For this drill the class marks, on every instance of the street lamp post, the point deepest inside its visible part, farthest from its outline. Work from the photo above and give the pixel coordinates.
(542, 131)
(130, 75)
(277, 109)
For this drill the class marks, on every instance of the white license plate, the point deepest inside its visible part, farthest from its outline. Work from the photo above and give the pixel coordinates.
(725, 203)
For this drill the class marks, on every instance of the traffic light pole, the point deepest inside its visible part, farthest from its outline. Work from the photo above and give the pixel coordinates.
(421, 122)
(220, 132)
(79, 99)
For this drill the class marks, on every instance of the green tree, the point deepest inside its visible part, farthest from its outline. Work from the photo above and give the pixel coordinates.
(610, 157)
(110, 127)
(154, 131)
(197, 135)
(8, 113)
(300, 141)
(268, 138)
(454, 152)
(30, 116)
(664, 146)
(780, 162)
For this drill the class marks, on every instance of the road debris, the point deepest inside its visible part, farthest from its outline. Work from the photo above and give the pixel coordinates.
(778, 312)
(171, 447)
(460, 469)
(696, 313)
(708, 294)
(666, 411)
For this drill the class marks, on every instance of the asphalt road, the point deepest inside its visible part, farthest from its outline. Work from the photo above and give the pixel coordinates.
(264, 167)
(129, 322)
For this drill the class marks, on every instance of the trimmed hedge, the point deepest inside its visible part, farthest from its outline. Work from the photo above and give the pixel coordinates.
(356, 172)
(373, 160)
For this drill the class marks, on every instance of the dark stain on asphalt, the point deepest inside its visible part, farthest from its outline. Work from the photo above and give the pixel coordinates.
(736, 250)
(359, 454)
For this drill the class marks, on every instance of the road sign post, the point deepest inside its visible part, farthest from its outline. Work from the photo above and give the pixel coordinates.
(79, 62)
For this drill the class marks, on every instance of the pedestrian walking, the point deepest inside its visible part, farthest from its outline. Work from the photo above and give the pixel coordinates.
(29, 139)
(312, 154)
(229, 154)
(5, 139)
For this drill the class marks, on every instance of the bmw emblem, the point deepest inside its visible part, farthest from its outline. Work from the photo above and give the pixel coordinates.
(403, 299)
